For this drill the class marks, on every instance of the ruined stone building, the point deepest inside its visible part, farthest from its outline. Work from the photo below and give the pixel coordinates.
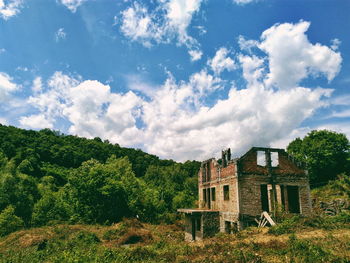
(234, 192)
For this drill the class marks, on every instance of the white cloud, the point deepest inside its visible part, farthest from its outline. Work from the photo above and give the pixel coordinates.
(89, 106)
(293, 58)
(221, 62)
(36, 121)
(243, 2)
(168, 21)
(3, 121)
(247, 45)
(37, 85)
(179, 15)
(252, 67)
(72, 5)
(340, 100)
(138, 83)
(335, 43)
(195, 54)
(340, 114)
(182, 119)
(60, 34)
(9, 8)
(7, 86)
(2, 50)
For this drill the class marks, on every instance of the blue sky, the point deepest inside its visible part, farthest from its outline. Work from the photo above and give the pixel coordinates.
(181, 79)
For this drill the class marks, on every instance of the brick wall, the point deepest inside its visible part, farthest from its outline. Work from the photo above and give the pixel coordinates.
(249, 176)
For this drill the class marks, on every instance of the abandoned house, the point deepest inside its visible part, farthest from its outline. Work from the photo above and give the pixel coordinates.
(233, 193)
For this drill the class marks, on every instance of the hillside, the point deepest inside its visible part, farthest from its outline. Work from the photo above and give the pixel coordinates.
(48, 177)
(131, 241)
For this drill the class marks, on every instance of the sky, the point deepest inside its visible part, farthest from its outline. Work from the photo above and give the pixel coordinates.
(181, 79)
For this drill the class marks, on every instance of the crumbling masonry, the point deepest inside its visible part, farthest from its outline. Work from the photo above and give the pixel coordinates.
(233, 193)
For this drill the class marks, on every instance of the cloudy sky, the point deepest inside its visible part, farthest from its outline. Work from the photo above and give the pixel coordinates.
(181, 79)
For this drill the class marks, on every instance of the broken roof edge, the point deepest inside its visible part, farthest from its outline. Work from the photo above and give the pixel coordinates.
(256, 148)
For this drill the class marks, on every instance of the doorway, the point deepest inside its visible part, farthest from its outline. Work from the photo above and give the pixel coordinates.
(293, 199)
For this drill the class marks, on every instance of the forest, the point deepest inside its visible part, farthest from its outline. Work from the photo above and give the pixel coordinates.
(47, 177)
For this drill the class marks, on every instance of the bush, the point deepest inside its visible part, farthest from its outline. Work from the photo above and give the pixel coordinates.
(9, 222)
(285, 227)
(84, 237)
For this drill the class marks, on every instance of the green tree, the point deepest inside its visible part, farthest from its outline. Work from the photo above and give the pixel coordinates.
(326, 154)
(21, 192)
(97, 193)
(9, 222)
(51, 207)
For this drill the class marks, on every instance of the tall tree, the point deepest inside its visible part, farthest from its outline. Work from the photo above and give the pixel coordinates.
(326, 154)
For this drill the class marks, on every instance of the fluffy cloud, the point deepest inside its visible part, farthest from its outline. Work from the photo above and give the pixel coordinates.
(183, 119)
(60, 34)
(6, 87)
(168, 21)
(195, 54)
(221, 61)
(9, 8)
(72, 5)
(36, 121)
(90, 107)
(292, 57)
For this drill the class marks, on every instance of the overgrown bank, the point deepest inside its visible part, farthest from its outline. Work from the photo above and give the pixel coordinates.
(132, 241)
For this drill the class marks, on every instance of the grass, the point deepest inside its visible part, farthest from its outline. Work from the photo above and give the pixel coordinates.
(131, 241)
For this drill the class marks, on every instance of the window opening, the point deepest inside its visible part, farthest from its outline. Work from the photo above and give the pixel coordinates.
(274, 159)
(213, 194)
(261, 158)
(208, 198)
(226, 192)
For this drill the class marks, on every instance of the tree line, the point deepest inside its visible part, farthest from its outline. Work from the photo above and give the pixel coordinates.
(47, 177)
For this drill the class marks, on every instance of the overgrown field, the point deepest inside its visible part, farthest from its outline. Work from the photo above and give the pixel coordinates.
(132, 241)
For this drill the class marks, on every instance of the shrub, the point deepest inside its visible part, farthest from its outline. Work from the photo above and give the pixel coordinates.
(285, 227)
(9, 222)
(84, 237)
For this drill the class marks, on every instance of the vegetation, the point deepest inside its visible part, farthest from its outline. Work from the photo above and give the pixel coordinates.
(325, 153)
(47, 177)
(132, 241)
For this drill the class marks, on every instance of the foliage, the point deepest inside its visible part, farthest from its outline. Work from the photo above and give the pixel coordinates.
(285, 227)
(164, 243)
(51, 208)
(48, 178)
(21, 192)
(326, 154)
(9, 222)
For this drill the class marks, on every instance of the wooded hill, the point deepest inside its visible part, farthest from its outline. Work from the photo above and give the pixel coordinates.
(46, 177)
